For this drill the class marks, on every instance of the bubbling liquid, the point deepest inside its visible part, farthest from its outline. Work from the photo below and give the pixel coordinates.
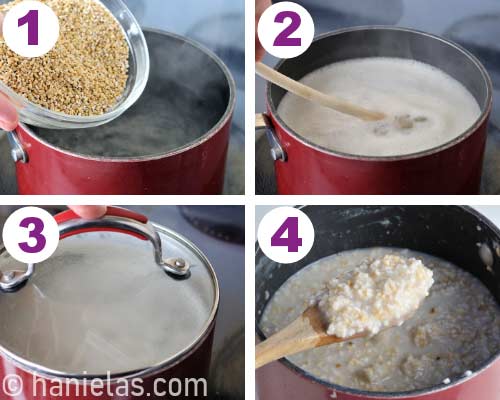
(425, 107)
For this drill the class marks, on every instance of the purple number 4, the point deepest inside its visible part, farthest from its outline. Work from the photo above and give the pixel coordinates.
(293, 242)
(32, 20)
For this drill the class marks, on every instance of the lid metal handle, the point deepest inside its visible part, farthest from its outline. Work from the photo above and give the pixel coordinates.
(115, 220)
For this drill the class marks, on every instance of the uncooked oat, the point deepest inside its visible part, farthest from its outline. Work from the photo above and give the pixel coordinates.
(85, 73)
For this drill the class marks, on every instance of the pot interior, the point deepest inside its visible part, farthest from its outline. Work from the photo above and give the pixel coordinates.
(387, 42)
(188, 93)
(453, 233)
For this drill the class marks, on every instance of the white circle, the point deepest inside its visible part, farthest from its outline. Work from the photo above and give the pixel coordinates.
(36, 240)
(16, 37)
(287, 251)
(281, 25)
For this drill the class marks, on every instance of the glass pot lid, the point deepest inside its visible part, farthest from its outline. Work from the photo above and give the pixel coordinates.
(104, 303)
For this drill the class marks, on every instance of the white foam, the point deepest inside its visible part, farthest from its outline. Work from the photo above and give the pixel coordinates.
(397, 87)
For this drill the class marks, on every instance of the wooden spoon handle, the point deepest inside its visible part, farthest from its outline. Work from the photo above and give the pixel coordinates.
(280, 345)
(277, 347)
(314, 95)
(305, 333)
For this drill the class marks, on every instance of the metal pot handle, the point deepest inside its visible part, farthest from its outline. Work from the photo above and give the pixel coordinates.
(115, 220)
(262, 121)
(17, 151)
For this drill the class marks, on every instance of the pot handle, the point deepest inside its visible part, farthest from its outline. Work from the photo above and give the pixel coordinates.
(17, 152)
(262, 121)
(115, 220)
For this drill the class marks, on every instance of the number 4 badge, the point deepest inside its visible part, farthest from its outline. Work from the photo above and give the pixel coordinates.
(285, 235)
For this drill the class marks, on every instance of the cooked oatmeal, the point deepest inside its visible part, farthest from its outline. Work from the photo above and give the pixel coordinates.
(454, 331)
(375, 295)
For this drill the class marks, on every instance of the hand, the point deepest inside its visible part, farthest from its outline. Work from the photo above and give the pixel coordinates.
(89, 212)
(8, 113)
(260, 7)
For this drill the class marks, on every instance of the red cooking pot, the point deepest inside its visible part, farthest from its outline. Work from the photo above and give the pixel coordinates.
(303, 167)
(110, 312)
(174, 140)
(449, 232)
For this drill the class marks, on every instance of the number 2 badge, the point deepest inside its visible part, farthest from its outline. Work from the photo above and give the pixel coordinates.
(286, 30)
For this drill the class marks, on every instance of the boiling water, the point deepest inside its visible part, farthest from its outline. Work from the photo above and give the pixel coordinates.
(167, 117)
(102, 304)
(186, 96)
(438, 107)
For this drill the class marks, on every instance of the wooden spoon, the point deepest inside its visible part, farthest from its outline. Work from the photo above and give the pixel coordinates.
(306, 332)
(316, 96)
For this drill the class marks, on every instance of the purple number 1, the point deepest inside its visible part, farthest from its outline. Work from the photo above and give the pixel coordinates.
(35, 233)
(284, 39)
(293, 242)
(32, 20)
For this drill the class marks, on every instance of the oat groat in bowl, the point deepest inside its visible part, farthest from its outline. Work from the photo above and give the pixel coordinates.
(97, 70)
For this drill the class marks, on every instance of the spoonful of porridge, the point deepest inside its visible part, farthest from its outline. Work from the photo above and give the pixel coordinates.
(379, 294)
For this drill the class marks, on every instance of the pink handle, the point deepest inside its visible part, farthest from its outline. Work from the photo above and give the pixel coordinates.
(69, 215)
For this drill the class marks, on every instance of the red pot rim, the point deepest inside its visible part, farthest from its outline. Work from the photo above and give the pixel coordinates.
(485, 110)
(225, 119)
(391, 395)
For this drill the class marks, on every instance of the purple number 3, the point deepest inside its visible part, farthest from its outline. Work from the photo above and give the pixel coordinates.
(32, 20)
(293, 242)
(284, 39)
(35, 233)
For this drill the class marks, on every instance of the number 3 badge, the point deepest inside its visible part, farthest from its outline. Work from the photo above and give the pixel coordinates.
(30, 235)
(286, 235)
(286, 30)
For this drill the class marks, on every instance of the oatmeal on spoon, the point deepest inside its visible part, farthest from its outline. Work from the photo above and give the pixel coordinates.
(375, 296)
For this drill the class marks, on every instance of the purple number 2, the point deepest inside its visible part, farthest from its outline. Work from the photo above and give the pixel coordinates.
(35, 233)
(284, 39)
(293, 242)
(32, 20)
